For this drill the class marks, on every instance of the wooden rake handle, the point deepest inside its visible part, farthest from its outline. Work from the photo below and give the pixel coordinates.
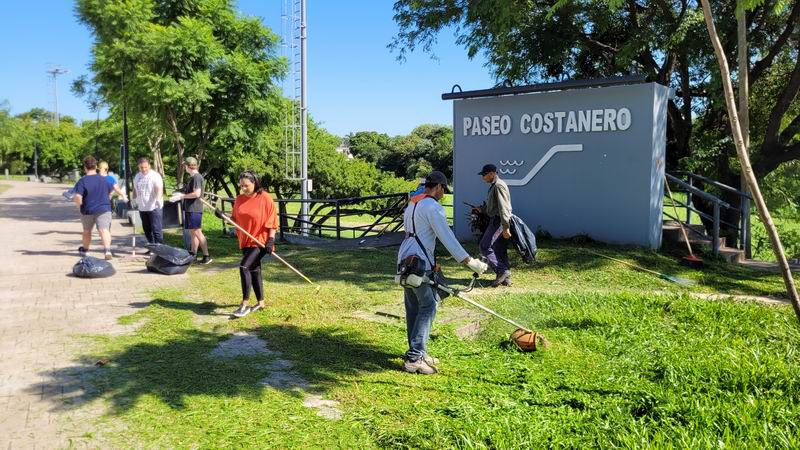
(260, 244)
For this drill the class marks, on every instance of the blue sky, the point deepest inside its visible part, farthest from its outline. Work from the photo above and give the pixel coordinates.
(355, 82)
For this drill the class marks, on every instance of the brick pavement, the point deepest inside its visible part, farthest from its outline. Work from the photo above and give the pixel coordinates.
(42, 311)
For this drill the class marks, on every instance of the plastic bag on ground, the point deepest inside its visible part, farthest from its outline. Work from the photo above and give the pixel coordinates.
(168, 260)
(91, 267)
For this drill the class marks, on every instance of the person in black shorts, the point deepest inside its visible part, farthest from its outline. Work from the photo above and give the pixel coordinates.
(193, 208)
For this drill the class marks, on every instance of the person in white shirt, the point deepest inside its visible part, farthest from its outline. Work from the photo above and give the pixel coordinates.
(148, 192)
(425, 221)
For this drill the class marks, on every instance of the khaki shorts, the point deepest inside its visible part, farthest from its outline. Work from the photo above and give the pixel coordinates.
(102, 221)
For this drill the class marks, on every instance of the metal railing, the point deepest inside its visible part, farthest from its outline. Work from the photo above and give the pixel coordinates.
(688, 187)
(336, 218)
(340, 218)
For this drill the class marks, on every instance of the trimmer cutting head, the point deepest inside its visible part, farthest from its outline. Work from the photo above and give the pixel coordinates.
(528, 341)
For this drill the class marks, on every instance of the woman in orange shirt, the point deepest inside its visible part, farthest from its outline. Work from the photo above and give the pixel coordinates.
(254, 211)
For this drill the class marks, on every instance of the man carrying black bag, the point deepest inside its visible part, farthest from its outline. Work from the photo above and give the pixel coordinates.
(425, 221)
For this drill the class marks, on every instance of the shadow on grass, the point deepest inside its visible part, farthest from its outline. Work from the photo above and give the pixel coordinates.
(181, 367)
(373, 269)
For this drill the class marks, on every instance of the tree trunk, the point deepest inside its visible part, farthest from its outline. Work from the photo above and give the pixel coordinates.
(744, 160)
(154, 142)
(173, 125)
(744, 95)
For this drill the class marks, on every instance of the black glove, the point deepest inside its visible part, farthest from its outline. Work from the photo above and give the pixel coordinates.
(218, 213)
(270, 245)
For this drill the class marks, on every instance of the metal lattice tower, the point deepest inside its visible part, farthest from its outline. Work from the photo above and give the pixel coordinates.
(290, 49)
(296, 117)
(54, 72)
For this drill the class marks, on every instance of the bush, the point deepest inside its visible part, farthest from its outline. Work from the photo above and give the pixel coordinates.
(789, 232)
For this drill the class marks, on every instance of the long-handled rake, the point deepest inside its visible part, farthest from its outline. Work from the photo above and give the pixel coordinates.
(663, 276)
(260, 244)
(691, 260)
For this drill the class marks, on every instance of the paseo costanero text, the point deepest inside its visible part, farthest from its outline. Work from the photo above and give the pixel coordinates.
(580, 121)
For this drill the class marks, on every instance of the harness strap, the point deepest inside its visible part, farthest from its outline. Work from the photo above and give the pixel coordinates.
(414, 234)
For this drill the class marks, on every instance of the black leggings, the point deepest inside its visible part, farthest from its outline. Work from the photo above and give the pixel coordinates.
(250, 272)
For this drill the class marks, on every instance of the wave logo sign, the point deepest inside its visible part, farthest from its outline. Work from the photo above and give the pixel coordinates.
(512, 171)
(509, 167)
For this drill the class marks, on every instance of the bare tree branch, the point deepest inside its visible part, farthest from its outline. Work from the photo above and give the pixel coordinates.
(760, 66)
(782, 105)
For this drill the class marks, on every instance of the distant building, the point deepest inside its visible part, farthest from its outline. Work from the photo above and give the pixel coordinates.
(344, 148)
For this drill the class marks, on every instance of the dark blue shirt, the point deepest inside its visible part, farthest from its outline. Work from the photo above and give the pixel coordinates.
(95, 190)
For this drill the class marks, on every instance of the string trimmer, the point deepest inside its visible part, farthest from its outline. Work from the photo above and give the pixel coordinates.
(526, 339)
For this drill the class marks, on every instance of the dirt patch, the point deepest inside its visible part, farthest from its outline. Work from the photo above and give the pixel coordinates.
(281, 376)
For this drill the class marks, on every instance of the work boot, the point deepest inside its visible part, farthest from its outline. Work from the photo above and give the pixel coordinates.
(501, 278)
(419, 366)
(507, 282)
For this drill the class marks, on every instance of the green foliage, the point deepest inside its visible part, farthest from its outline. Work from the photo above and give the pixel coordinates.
(527, 42)
(369, 145)
(60, 149)
(201, 70)
(782, 190)
(789, 232)
(15, 148)
(426, 148)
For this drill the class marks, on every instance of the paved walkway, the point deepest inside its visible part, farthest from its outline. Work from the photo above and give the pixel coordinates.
(42, 310)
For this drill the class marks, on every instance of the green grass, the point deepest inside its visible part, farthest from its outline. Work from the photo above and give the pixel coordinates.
(635, 361)
(16, 177)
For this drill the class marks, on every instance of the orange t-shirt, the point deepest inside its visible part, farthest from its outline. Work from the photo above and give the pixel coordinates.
(256, 214)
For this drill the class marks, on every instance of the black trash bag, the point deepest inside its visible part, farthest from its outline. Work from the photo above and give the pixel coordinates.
(168, 260)
(91, 267)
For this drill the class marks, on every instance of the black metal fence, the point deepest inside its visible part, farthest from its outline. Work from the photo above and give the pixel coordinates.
(340, 218)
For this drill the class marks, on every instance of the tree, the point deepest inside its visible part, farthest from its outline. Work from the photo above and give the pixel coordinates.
(744, 159)
(369, 145)
(59, 148)
(555, 39)
(196, 66)
(15, 148)
(426, 148)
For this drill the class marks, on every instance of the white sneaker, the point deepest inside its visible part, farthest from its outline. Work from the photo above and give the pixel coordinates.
(242, 311)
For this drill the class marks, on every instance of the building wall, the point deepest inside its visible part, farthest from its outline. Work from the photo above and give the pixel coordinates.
(600, 174)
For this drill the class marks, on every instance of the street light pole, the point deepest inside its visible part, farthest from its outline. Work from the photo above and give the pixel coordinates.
(55, 72)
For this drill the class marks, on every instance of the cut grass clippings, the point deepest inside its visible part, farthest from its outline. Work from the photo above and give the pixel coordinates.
(635, 361)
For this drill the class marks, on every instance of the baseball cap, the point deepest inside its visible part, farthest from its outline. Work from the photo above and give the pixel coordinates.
(190, 161)
(488, 168)
(438, 178)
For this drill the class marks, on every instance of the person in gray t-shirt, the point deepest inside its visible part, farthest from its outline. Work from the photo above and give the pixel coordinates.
(425, 222)
(193, 208)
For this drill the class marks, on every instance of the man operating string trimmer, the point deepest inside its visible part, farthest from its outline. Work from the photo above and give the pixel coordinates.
(425, 221)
